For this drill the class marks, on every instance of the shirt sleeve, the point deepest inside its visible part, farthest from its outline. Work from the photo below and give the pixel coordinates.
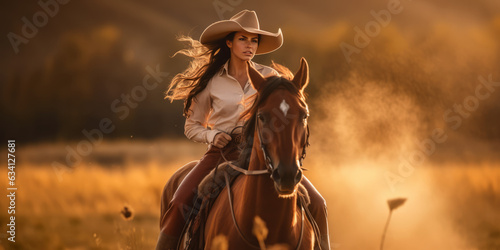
(272, 72)
(267, 71)
(196, 126)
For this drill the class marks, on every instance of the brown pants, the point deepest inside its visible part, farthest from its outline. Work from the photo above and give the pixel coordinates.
(182, 201)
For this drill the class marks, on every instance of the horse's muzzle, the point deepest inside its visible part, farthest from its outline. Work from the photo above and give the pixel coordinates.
(286, 179)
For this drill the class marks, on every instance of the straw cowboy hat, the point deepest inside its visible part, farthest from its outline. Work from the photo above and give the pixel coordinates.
(247, 21)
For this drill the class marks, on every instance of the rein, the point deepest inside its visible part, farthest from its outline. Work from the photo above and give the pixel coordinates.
(269, 163)
(228, 188)
(269, 169)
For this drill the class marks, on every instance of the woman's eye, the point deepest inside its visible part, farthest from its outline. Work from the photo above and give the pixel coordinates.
(260, 117)
(242, 39)
(255, 41)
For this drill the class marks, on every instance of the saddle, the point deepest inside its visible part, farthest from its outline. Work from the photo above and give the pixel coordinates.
(208, 191)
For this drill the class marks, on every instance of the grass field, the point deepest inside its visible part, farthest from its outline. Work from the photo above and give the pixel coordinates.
(449, 206)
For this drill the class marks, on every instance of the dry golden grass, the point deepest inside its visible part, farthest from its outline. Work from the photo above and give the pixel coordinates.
(220, 242)
(449, 207)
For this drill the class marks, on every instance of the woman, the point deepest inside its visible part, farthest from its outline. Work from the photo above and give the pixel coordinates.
(216, 90)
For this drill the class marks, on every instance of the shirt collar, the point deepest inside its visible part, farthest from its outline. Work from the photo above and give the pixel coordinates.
(225, 68)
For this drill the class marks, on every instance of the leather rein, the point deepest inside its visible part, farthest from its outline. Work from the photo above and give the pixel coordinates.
(269, 169)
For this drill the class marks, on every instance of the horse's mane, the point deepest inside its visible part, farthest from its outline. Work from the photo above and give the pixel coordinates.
(272, 83)
(282, 70)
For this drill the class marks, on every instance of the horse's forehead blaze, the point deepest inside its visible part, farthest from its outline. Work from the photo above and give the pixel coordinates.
(283, 101)
(284, 106)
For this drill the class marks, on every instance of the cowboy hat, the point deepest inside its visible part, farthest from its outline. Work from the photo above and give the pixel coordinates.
(245, 20)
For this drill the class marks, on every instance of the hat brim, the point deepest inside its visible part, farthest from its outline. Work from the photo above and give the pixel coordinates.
(268, 41)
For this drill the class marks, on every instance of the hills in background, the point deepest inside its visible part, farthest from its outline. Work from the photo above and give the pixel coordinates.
(396, 89)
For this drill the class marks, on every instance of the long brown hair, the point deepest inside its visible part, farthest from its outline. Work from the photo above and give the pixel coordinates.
(206, 61)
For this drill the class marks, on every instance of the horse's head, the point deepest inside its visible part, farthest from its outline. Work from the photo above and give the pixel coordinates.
(279, 125)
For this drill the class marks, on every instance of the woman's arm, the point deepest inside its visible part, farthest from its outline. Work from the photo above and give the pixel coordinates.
(196, 124)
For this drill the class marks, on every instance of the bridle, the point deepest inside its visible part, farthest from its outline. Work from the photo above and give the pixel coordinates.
(269, 170)
(268, 162)
(267, 159)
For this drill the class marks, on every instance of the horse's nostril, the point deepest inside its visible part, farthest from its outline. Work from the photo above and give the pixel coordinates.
(298, 177)
(276, 175)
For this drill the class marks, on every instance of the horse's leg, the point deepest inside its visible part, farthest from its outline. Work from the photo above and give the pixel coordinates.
(319, 212)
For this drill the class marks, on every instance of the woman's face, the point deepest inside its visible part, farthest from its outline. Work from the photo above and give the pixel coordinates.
(243, 45)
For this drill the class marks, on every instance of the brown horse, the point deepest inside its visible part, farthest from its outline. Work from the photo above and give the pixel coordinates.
(276, 137)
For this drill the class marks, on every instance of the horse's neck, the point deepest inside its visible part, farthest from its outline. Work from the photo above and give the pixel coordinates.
(262, 198)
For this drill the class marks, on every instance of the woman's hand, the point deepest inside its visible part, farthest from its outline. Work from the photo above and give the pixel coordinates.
(221, 140)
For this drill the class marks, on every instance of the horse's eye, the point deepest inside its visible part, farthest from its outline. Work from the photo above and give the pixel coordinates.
(260, 117)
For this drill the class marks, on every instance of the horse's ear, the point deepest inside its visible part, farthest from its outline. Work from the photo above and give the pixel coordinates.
(256, 78)
(301, 78)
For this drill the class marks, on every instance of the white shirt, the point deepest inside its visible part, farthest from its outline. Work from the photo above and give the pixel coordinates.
(218, 107)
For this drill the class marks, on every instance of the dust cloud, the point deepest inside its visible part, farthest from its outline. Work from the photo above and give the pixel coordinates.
(373, 125)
